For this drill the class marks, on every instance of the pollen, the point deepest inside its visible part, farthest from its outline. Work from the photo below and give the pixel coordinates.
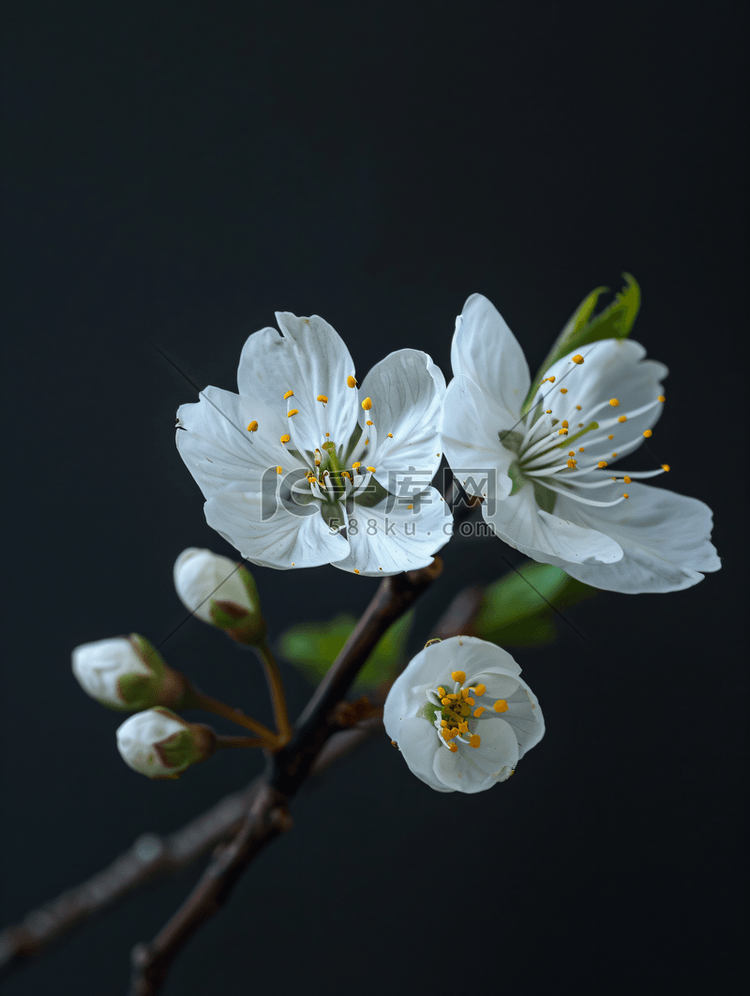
(356, 571)
(289, 394)
(294, 411)
(548, 411)
(572, 464)
(626, 495)
(622, 418)
(285, 438)
(369, 422)
(577, 358)
(562, 432)
(356, 465)
(665, 467)
(253, 427)
(410, 506)
(602, 464)
(627, 479)
(278, 470)
(571, 453)
(458, 676)
(372, 470)
(390, 435)
(610, 437)
(351, 381)
(648, 433)
(345, 473)
(475, 740)
(453, 748)
(661, 398)
(478, 711)
(551, 380)
(367, 404)
(500, 706)
(441, 691)
(578, 408)
(323, 398)
(614, 454)
(614, 402)
(581, 449)
(563, 390)
(564, 424)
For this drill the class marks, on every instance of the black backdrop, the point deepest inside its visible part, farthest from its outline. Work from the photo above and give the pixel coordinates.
(175, 172)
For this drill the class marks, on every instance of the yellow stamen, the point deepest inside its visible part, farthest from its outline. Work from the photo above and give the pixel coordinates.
(578, 408)
(372, 470)
(627, 480)
(547, 411)
(500, 706)
(409, 506)
(367, 404)
(563, 390)
(345, 473)
(469, 700)
(610, 437)
(445, 734)
(441, 691)
(444, 722)
(390, 435)
(289, 394)
(323, 398)
(294, 411)
(278, 470)
(445, 700)
(475, 740)
(356, 465)
(665, 466)
(253, 427)
(478, 711)
(564, 424)
(551, 380)
(614, 402)
(602, 464)
(572, 463)
(626, 495)
(614, 454)
(623, 418)
(648, 433)
(369, 422)
(453, 748)
(285, 438)
(351, 382)
(463, 727)
(581, 449)
(577, 358)
(356, 571)
(458, 676)
(661, 398)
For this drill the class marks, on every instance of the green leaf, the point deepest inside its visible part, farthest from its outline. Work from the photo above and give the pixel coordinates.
(313, 647)
(514, 611)
(615, 322)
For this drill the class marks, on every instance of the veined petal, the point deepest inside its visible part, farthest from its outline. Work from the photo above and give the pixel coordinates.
(390, 538)
(407, 392)
(552, 538)
(310, 359)
(486, 351)
(665, 539)
(498, 753)
(282, 539)
(418, 742)
(218, 450)
(471, 438)
(459, 772)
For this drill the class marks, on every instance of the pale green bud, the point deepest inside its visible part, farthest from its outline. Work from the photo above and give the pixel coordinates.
(220, 592)
(160, 744)
(127, 672)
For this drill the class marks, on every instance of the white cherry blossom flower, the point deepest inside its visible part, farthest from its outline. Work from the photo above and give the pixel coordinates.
(461, 715)
(126, 672)
(159, 744)
(556, 498)
(304, 467)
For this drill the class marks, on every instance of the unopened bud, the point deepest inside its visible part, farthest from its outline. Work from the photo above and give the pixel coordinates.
(127, 672)
(160, 744)
(220, 592)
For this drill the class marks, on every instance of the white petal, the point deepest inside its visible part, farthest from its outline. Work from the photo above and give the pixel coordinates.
(459, 772)
(310, 358)
(497, 754)
(664, 537)
(471, 439)
(554, 538)
(486, 351)
(283, 540)
(217, 448)
(524, 715)
(390, 538)
(418, 742)
(407, 392)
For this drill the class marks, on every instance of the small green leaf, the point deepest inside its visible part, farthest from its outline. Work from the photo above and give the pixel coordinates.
(313, 647)
(615, 322)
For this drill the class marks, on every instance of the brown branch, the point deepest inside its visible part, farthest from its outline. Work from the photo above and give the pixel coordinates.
(288, 768)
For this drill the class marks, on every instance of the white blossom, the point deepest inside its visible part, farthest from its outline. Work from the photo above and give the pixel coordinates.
(304, 467)
(159, 744)
(109, 670)
(461, 715)
(556, 497)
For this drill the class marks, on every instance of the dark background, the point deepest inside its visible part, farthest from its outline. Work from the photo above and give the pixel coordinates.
(175, 172)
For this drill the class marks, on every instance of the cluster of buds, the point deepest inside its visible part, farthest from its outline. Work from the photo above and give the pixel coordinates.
(127, 673)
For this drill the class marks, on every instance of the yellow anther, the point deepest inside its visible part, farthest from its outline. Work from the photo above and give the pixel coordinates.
(390, 435)
(602, 464)
(465, 710)
(564, 423)
(441, 691)
(351, 381)
(445, 700)
(572, 464)
(285, 438)
(444, 722)
(345, 473)
(622, 418)
(367, 404)
(356, 571)
(463, 727)
(409, 506)
(475, 740)
(581, 449)
(571, 453)
(578, 408)
(465, 693)
(458, 676)
(500, 706)
(562, 432)
(469, 700)
(453, 696)
(614, 454)
(453, 748)
(289, 394)
(445, 734)
(356, 465)
(661, 398)
(294, 411)
(614, 402)
(478, 711)
(648, 433)
(369, 422)
(577, 358)
(278, 470)
(627, 479)
(665, 466)
(328, 434)
(626, 495)
(323, 398)
(480, 689)
(547, 411)
(372, 470)
(563, 390)
(551, 380)
(253, 427)
(580, 425)
(610, 437)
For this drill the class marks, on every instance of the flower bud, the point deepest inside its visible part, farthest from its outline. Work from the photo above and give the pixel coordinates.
(220, 592)
(159, 744)
(127, 672)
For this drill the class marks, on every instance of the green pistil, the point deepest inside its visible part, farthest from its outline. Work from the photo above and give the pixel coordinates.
(571, 439)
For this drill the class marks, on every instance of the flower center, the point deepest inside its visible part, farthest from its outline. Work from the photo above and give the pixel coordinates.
(456, 711)
(547, 456)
